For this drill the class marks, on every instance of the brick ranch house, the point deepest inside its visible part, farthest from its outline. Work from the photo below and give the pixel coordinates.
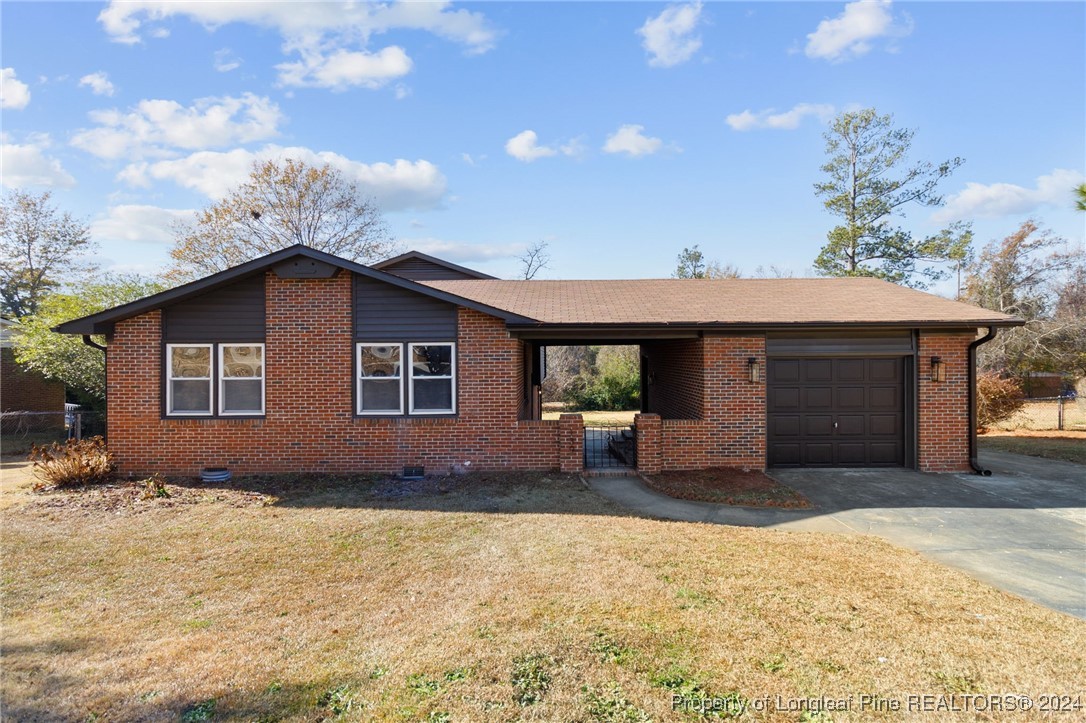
(303, 361)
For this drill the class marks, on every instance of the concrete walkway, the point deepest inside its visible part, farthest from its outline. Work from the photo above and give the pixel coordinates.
(1022, 530)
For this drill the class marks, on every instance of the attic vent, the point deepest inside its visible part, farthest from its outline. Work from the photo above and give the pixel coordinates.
(304, 268)
(417, 472)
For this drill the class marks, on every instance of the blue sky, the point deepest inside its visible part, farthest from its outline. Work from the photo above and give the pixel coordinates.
(617, 132)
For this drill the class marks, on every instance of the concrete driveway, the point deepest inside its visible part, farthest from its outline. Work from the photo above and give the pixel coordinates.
(1022, 530)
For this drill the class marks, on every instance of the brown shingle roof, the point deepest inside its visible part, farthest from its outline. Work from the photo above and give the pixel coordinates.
(721, 302)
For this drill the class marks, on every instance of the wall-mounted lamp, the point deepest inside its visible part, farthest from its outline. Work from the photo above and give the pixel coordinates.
(754, 369)
(938, 369)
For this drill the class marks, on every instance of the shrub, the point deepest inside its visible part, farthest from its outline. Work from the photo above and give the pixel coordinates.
(72, 464)
(998, 398)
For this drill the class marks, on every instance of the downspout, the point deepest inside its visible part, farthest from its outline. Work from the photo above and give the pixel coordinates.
(973, 461)
(91, 342)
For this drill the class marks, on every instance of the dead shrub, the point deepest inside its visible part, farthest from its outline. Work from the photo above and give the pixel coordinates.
(998, 398)
(72, 464)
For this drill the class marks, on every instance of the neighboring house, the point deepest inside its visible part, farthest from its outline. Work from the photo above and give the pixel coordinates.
(300, 360)
(22, 390)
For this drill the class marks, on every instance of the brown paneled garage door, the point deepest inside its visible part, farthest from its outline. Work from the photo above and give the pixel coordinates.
(836, 412)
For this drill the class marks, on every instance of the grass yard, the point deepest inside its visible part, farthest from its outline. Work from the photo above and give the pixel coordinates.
(1068, 446)
(591, 418)
(480, 598)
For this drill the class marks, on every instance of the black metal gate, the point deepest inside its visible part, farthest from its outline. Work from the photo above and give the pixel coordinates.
(610, 446)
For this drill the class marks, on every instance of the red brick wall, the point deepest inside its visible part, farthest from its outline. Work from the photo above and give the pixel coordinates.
(27, 391)
(729, 428)
(677, 383)
(944, 406)
(309, 423)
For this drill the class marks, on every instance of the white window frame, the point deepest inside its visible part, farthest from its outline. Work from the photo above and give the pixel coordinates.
(358, 379)
(411, 377)
(170, 379)
(223, 379)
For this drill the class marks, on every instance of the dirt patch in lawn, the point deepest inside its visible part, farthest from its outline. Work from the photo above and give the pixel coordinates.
(1066, 445)
(728, 486)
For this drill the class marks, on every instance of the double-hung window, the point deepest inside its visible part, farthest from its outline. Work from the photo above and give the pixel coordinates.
(188, 388)
(194, 369)
(241, 379)
(380, 385)
(390, 374)
(432, 388)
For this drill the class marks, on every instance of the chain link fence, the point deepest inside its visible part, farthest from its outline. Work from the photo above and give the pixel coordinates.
(19, 431)
(1048, 413)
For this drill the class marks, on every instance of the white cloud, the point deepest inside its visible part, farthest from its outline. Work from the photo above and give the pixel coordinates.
(788, 120)
(630, 140)
(459, 252)
(27, 164)
(396, 186)
(331, 38)
(154, 127)
(669, 38)
(342, 69)
(148, 224)
(98, 83)
(524, 146)
(225, 60)
(1008, 199)
(850, 34)
(14, 93)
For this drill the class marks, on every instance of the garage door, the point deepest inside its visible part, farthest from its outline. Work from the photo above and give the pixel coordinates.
(839, 412)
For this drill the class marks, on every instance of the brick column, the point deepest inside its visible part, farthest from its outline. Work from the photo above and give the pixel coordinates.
(571, 443)
(944, 406)
(649, 448)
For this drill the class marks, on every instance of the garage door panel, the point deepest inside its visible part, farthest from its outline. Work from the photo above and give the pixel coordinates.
(818, 397)
(884, 453)
(851, 370)
(844, 411)
(818, 370)
(883, 370)
(881, 425)
(817, 425)
(788, 454)
(784, 370)
(818, 454)
(786, 425)
(784, 398)
(884, 397)
(851, 397)
(851, 425)
(851, 453)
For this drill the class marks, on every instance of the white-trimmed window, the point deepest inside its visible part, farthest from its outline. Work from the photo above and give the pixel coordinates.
(241, 379)
(188, 385)
(432, 378)
(380, 379)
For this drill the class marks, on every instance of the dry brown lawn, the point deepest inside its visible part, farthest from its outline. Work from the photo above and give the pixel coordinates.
(482, 598)
(1066, 445)
(596, 417)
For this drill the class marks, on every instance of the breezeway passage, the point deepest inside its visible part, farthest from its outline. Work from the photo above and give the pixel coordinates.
(1022, 530)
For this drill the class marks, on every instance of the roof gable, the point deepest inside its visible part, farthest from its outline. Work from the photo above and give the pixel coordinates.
(418, 266)
(103, 321)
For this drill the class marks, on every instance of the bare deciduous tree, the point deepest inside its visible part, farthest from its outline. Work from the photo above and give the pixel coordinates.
(283, 202)
(534, 259)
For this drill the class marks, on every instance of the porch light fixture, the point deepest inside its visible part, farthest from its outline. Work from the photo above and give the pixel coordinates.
(754, 369)
(938, 369)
